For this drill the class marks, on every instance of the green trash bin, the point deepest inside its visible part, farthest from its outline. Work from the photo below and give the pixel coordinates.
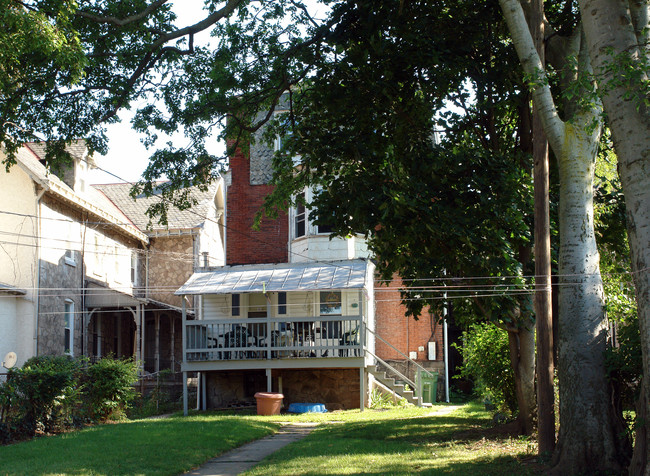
(429, 386)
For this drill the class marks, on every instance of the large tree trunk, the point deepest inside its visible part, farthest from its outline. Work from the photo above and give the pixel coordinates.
(522, 359)
(586, 442)
(619, 29)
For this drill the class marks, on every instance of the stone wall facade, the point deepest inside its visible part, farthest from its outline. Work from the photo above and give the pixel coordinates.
(72, 253)
(171, 263)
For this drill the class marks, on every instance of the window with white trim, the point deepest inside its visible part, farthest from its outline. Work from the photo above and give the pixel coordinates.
(134, 268)
(68, 328)
(300, 218)
(69, 258)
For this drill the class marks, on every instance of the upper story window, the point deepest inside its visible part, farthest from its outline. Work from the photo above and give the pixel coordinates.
(300, 218)
(134, 268)
(302, 221)
(68, 326)
(69, 258)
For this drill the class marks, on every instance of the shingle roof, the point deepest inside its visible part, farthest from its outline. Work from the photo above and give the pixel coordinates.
(76, 148)
(135, 209)
(30, 162)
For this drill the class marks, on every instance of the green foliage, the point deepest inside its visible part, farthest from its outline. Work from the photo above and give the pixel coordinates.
(51, 393)
(379, 399)
(42, 395)
(486, 360)
(109, 387)
(159, 401)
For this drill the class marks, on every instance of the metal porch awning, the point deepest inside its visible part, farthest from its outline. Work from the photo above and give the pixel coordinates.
(101, 297)
(312, 276)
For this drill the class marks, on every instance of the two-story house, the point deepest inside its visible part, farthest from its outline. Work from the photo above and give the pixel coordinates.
(294, 310)
(83, 273)
(70, 254)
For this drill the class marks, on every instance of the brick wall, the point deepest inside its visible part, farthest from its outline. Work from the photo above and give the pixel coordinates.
(404, 333)
(245, 245)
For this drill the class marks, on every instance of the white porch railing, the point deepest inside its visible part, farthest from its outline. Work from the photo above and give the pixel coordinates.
(248, 338)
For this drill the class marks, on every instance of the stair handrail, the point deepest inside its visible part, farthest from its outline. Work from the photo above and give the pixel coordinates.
(422, 369)
(399, 374)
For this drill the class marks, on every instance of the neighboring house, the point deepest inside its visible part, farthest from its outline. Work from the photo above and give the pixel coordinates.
(70, 253)
(295, 311)
(81, 272)
(191, 238)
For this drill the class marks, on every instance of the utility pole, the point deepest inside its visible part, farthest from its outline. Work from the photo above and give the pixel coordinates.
(543, 309)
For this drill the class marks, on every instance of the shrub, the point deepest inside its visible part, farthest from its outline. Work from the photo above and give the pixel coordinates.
(486, 360)
(109, 388)
(42, 395)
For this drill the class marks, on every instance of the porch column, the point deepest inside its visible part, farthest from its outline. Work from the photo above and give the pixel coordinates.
(172, 323)
(157, 344)
(269, 381)
(362, 343)
(98, 324)
(184, 341)
(143, 350)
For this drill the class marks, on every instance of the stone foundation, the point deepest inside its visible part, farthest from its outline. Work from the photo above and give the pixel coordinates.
(338, 389)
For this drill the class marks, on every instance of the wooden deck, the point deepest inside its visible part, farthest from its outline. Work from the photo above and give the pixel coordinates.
(304, 342)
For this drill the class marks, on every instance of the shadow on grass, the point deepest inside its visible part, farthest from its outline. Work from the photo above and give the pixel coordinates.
(446, 444)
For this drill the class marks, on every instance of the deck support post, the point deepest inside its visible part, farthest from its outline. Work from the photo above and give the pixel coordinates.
(269, 380)
(362, 388)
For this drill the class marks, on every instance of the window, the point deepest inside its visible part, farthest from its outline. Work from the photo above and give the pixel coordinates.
(330, 303)
(69, 258)
(282, 303)
(68, 324)
(116, 258)
(300, 219)
(134, 268)
(324, 229)
(235, 304)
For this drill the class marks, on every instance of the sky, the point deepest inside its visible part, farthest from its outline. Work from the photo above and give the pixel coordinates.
(127, 158)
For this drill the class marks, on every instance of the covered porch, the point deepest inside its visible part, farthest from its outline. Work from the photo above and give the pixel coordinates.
(277, 319)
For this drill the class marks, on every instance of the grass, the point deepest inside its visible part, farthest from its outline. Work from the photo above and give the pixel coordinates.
(156, 447)
(403, 440)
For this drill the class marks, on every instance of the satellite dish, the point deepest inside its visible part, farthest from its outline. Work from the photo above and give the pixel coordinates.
(10, 360)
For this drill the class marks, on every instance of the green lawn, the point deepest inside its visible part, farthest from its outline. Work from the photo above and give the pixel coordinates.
(398, 441)
(406, 441)
(168, 446)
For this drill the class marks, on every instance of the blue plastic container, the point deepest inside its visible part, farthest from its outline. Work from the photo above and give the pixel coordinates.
(307, 408)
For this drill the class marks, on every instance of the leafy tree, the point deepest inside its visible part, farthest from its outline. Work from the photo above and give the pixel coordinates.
(459, 205)
(617, 36)
(586, 418)
(486, 361)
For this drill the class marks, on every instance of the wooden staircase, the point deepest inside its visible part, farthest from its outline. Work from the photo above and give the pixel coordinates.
(394, 387)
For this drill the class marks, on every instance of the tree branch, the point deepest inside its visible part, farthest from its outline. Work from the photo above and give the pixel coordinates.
(122, 21)
(530, 62)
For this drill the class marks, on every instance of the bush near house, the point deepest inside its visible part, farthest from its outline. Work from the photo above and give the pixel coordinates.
(486, 361)
(109, 388)
(52, 393)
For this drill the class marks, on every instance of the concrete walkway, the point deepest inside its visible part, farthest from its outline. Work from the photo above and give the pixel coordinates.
(241, 459)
